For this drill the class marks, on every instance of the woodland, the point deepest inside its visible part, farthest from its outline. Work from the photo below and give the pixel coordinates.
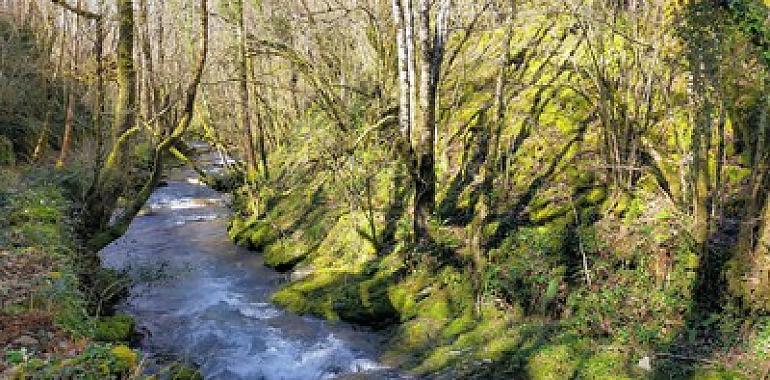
(504, 189)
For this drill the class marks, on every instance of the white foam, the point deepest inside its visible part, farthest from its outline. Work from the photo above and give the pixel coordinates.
(256, 310)
(366, 365)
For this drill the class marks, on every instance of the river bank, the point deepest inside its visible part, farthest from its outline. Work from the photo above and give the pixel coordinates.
(49, 327)
(535, 316)
(201, 299)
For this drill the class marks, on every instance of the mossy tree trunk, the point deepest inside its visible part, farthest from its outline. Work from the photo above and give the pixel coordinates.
(248, 136)
(167, 143)
(111, 181)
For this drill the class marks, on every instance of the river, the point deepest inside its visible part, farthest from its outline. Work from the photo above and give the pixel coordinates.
(199, 298)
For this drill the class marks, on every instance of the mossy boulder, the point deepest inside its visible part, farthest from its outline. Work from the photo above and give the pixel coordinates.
(340, 296)
(367, 304)
(118, 328)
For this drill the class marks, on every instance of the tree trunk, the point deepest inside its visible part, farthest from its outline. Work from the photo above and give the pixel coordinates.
(259, 117)
(701, 187)
(430, 67)
(411, 61)
(150, 92)
(42, 140)
(404, 98)
(125, 104)
(67, 139)
(70, 112)
(248, 137)
(111, 179)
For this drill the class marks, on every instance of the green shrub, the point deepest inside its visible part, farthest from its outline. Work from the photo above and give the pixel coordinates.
(118, 328)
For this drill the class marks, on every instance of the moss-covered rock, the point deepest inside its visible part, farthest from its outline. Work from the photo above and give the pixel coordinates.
(340, 296)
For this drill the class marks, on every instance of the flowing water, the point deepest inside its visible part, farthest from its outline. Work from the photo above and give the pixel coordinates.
(200, 298)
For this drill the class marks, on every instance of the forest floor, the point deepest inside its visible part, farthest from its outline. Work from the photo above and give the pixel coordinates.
(46, 327)
(24, 329)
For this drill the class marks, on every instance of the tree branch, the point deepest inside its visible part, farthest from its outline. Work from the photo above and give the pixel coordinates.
(80, 12)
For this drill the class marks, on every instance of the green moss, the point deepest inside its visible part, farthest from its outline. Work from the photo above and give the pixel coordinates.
(340, 295)
(549, 212)
(118, 328)
(97, 361)
(435, 307)
(262, 234)
(403, 295)
(438, 359)
(736, 174)
(622, 204)
(419, 334)
(595, 196)
(292, 300)
(716, 374)
(303, 296)
(284, 254)
(38, 235)
(348, 245)
(606, 365)
(239, 228)
(498, 346)
(465, 322)
(552, 362)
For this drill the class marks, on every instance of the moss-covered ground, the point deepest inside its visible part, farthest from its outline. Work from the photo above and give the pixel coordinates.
(54, 321)
(533, 316)
(573, 280)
